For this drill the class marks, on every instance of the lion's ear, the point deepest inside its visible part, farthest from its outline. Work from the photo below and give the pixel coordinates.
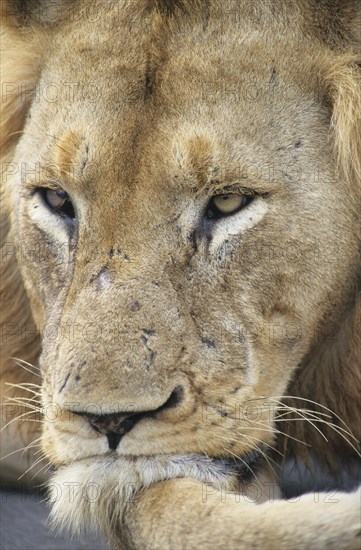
(36, 12)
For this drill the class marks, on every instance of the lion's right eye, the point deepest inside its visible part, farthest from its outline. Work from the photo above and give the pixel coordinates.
(221, 206)
(58, 201)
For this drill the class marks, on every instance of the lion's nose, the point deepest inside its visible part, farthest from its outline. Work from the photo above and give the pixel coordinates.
(115, 425)
(107, 422)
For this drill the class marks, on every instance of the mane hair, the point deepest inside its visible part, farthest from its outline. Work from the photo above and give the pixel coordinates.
(330, 375)
(21, 54)
(173, 7)
(344, 83)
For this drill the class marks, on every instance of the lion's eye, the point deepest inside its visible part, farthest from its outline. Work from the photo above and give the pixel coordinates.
(58, 201)
(221, 206)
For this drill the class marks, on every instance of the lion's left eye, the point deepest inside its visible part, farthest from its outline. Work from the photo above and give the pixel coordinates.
(226, 205)
(58, 201)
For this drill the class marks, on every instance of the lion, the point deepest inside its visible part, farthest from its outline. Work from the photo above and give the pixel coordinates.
(181, 265)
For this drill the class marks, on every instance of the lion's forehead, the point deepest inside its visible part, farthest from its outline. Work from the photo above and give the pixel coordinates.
(170, 91)
(208, 137)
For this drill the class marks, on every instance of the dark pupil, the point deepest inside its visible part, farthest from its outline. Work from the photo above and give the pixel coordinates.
(62, 195)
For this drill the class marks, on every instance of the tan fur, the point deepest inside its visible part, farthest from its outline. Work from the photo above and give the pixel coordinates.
(159, 106)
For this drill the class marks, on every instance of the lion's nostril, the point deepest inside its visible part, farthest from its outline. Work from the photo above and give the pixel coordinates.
(174, 399)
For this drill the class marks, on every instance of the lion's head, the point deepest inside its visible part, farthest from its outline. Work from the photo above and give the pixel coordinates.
(182, 185)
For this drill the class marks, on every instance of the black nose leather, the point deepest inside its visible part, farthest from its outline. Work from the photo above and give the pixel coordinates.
(115, 425)
(106, 423)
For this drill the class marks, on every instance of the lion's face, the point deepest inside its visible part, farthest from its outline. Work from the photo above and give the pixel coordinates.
(188, 226)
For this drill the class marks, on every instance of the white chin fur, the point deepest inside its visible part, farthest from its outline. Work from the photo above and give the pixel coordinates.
(94, 492)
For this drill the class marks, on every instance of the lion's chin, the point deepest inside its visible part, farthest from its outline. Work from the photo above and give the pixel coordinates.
(84, 492)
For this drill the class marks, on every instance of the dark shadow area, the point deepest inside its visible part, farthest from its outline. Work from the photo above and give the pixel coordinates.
(24, 525)
(296, 479)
